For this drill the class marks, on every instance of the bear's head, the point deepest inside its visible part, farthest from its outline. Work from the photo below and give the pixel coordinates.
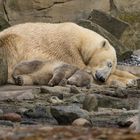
(103, 61)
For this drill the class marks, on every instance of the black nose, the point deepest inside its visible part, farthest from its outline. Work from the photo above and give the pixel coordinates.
(99, 77)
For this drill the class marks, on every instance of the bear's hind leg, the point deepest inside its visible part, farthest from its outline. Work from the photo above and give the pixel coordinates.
(27, 67)
(25, 72)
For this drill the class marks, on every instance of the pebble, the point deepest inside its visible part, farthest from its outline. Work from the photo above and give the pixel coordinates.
(14, 117)
(81, 122)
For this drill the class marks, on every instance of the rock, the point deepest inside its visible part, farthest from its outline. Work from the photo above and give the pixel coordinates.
(21, 110)
(121, 50)
(90, 103)
(111, 102)
(14, 117)
(113, 25)
(74, 89)
(3, 24)
(138, 83)
(40, 113)
(130, 68)
(127, 5)
(55, 100)
(132, 60)
(78, 98)
(6, 123)
(51, 10)
(67, 114)
(3, 66)
(81, 122)
(137, 53)
(110, 117)
(134, 123)
(57, 90)
(18, 94)
(128, 11)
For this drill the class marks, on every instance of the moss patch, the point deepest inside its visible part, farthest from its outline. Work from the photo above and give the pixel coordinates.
(130, 17)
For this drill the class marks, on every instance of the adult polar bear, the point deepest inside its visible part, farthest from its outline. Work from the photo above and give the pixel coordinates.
(65, 42)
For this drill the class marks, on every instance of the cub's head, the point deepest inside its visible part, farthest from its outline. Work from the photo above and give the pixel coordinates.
(103, 61)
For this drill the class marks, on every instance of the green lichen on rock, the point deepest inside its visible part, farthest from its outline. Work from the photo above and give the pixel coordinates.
(130, 17)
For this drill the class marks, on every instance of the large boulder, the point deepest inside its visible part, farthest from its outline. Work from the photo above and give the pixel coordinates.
(128, 11)
(67, 114)
(113, 25)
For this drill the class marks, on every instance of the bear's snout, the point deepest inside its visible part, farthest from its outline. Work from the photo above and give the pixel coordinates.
(99, 77)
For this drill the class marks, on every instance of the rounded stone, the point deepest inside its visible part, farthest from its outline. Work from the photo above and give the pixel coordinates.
(81, 122)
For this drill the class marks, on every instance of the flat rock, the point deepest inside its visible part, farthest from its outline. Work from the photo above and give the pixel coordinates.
(18, 95)
(57, 90)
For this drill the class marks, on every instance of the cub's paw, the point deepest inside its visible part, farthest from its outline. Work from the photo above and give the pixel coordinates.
(80, 79)
(19, 80)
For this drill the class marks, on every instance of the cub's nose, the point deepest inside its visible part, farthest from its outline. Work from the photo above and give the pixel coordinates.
(99, 77)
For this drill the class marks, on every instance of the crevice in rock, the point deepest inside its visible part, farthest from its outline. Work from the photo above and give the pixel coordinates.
(5, 11)
(54, 3)
(113, 8)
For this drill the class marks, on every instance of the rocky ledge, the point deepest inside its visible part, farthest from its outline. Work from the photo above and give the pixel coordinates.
(98, 106)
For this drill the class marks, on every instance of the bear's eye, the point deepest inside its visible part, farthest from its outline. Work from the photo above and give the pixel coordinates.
(109, 64)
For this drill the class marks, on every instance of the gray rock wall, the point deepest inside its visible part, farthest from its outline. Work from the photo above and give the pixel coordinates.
(18, 11)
